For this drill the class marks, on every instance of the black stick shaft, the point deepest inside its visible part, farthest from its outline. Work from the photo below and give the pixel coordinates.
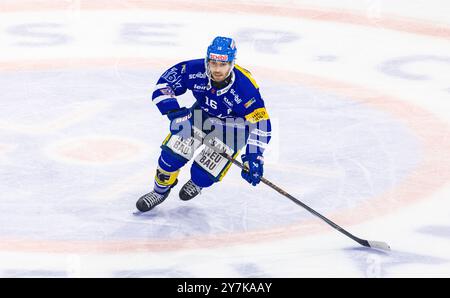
(298, 202)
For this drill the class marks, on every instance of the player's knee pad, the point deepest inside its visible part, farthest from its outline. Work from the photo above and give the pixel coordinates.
(170, 162)
(200, 177)
(183, 148)
(164, 178)
(209, 163)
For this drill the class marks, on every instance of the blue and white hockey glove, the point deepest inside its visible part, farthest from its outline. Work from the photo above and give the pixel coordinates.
(179, 122)
(254, 164)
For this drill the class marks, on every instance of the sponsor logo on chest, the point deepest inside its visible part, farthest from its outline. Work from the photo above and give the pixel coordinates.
(235, 96)
(198, 75)
(200, 87)
(228, 102)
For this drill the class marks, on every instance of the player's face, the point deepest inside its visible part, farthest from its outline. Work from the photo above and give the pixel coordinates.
(219, 70)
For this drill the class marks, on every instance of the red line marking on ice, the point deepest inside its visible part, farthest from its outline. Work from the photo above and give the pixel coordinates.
(433, 172)
(334, 15)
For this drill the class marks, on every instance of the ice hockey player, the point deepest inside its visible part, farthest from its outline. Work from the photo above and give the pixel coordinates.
(229, 114)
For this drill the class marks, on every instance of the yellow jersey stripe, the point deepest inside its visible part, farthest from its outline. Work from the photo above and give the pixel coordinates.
(247, 74)
(225, 170)
(167, 139)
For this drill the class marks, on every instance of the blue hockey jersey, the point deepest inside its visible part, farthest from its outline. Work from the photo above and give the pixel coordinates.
(239, 99)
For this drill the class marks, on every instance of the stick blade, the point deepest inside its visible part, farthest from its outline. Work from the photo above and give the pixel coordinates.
(379, 245)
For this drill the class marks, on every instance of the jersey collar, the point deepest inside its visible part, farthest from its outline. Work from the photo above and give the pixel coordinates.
(223, 90)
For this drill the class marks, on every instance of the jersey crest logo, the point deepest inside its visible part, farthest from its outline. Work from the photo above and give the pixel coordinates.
(171, 76)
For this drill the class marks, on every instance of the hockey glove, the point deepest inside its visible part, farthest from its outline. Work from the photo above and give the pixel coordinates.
(179, 122)
(254, 163)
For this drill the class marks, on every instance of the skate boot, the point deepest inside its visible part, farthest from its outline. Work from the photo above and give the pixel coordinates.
(148, 201)
(189, 191)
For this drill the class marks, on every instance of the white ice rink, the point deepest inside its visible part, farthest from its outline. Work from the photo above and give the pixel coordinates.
(359, 96)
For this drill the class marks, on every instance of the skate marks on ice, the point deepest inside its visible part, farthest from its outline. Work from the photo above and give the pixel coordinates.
(33, 273)
(343, 151)
(250, 270)
(376, 263)
(172, 222)
(435, 230)
(245, 270)
(171, 272)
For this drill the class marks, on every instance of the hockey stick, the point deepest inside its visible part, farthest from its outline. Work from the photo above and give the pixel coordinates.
(363, 242)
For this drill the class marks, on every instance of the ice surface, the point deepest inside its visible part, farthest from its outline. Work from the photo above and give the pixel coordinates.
(360, 119)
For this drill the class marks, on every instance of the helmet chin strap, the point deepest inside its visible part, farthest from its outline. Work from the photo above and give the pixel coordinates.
(231, 69)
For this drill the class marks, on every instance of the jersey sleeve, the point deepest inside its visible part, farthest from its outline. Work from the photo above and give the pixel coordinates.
(171, 84)
(260, 129)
